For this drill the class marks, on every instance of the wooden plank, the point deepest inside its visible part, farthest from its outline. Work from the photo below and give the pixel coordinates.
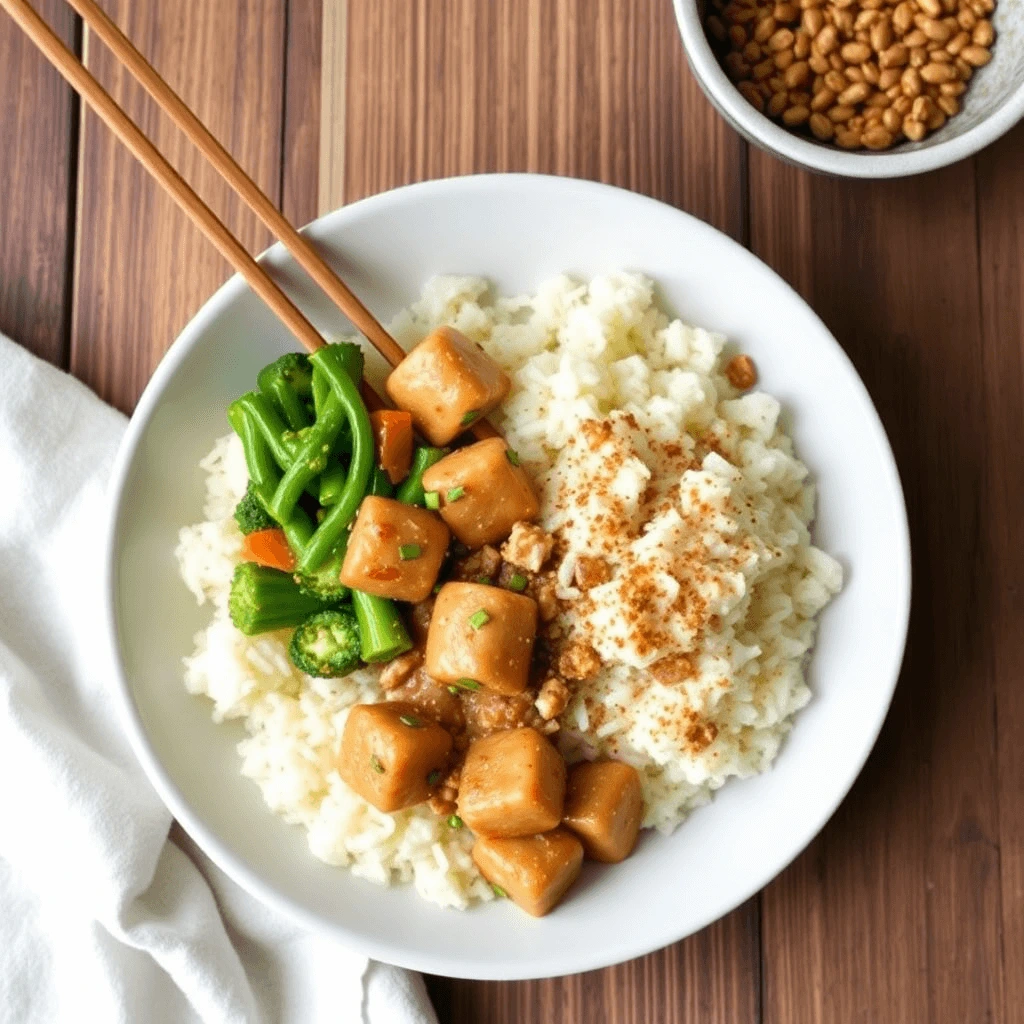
(301, 149)
(591, 88)
(710, 978)
(1000, 243)
(333, 88)
(894, 913)
(38, 114)
(597, 89)
(141, 269)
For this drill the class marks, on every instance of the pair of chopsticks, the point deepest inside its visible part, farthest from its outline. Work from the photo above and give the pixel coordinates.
(82, 81)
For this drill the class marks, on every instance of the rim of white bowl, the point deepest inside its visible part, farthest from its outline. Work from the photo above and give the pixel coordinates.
(628, 947)
(764, 132)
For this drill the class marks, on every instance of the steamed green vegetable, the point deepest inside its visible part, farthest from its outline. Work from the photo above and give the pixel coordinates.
(410, 491)
(345, 393)
(263, 599)
(289, 382)
(381, 629)
(250, 514)
(326, 644)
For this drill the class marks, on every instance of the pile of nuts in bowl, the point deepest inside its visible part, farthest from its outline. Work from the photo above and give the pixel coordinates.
(857, 73)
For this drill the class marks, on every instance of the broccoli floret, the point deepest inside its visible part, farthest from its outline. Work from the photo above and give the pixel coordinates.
(295, 368)
(326, 644)
(263, 599)
(324, 582)
(250, 514)
(289, 381)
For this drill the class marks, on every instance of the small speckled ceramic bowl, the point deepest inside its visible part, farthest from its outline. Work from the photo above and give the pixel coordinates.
(993, 104)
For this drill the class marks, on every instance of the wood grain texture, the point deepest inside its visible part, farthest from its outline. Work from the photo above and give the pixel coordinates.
(895, 911)
(590, 88)
(595, 89)
(133, 296)
(333, 93)
(1000, 244)
(37, 124)
(301, 129)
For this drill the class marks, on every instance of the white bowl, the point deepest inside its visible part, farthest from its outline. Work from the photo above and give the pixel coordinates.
(518, 230)
(993, 104)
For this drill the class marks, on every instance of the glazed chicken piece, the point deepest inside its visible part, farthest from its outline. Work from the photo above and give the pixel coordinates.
(513, 784)
(447, 382)
(483, 635)
(604, 805)
(534, 871)
(431, 698)
(392, 755)
(482, 492)
(394, 550)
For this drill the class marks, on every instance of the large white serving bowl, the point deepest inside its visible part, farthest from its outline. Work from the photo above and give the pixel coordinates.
(517, 230)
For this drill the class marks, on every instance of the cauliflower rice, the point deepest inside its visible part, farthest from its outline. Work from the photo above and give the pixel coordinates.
(643, 453)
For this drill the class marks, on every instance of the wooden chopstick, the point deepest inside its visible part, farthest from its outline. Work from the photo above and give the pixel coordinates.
(80, 79)
(251, 194)
(149, 156)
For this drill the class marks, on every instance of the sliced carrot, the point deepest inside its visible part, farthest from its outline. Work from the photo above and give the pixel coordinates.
(392, 435)
(269, 548)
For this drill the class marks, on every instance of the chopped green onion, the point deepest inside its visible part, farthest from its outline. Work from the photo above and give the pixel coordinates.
(434, 777)
(479, 618)
(486, 580)
(467, 684)
(407, 552)
(517, 582)
(437, 588)
(455, 493)
(410, 720)
(453, 690)
(376, 765)
(470, 416)
(432, 500)
(454, 821)
(512, 455)
(498, 891)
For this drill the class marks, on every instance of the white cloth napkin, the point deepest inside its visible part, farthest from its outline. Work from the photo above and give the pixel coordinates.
(107, 913)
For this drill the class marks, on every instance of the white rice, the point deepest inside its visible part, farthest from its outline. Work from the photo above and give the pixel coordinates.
(576, 353)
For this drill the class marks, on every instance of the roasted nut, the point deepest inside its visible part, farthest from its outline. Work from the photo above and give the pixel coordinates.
(877, 137)
(983, 34)
(857, 93)
(855, 53)
(821, 127)
(976, 56)
(936, 74)
(851, 72)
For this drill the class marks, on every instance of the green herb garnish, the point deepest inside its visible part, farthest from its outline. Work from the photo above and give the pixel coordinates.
(498, 891)
(479, 619)
(454, 821)
(432, 500)
(517, 582)
(410, 720)
(470, 416)
(455, 493)
(407, 552)
(376, 765)
(485, 580)
(512, 455)
(467, 684)
(434, 777)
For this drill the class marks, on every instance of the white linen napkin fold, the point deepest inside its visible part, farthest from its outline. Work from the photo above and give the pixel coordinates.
(106, 912)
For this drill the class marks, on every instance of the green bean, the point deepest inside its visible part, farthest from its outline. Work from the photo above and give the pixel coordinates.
(345, 392)
(264, 475)
(411, 490)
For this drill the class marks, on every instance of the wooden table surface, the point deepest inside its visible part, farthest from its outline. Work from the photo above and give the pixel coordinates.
(909, 907)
